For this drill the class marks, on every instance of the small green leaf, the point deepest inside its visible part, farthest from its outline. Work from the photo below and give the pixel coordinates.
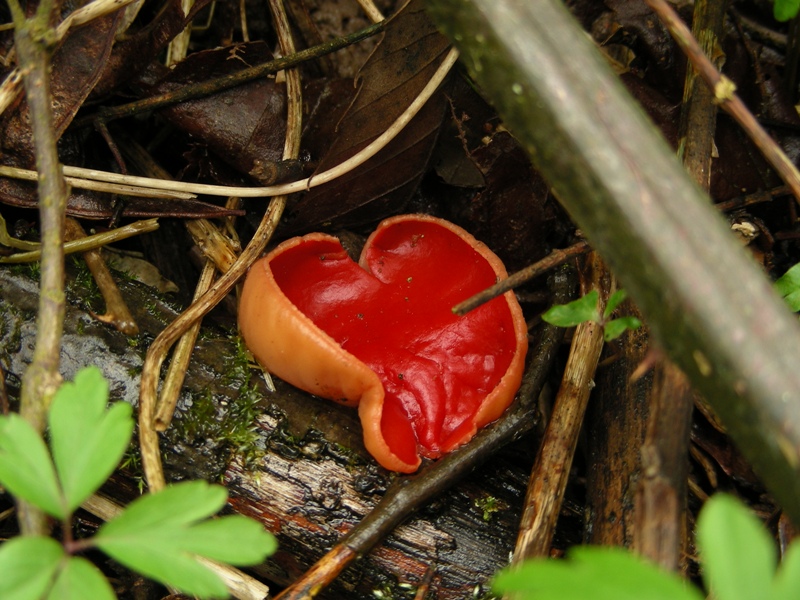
(26, 468)
(177, 569)
(599, 573)
(614, 301)
(786, 584)
(614, 329)
(785, 9)
(28, 565)
(790, 281)
(575, 312)
(233, 539)
(81, 580)
(153, 536)
(88, 441)
(173, 507)
(793, 301)
(737, 554)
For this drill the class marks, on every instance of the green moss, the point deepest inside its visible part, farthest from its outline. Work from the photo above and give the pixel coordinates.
(231, 425)
(31, 269)
(395, 591)
(238, 364)
(132, 464)
(82, 284)
(11, 326)
(489, 505)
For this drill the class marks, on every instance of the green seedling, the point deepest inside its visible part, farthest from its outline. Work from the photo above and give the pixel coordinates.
(587, 309)
(737, 555)
(163, 535)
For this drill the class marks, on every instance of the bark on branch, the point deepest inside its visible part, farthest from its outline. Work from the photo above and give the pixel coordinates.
(707, 303)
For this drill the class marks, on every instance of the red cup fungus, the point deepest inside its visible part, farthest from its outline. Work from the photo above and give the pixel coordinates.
(381, 335)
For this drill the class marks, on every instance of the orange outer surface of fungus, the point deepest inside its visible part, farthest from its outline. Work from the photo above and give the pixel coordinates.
(381, 335)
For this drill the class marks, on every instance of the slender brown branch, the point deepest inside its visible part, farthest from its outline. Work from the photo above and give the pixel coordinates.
(219, 84)
(548, 480)
(41, 379)
(660, 498)
(552, 260)
(724, 93)
(156, 354)
(117, 313)
(708, 305)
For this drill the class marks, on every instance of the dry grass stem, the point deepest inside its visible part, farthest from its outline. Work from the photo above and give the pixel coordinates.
(90, 242)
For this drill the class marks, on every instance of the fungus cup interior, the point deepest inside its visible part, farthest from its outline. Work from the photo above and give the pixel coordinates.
(380, 334)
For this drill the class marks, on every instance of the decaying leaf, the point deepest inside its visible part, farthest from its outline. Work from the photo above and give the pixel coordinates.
(401, 65)
(242, 125)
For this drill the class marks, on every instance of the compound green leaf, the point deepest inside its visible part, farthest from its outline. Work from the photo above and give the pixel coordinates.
(613, 329)
(575, 312)
(596, 573)
(159, 515)
(166, 565)
(81, 580)
(793, 301)
(87, 440)
(599, 573)
(737, 554)
(786, 584)
(159, 536)
(26, 469)
(790, 281)
(28, 565)
(786, 9)
(233, 539)
(614, 301)
(147, 536)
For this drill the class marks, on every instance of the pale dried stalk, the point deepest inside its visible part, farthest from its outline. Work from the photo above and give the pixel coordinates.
(550, 473)
(90, 242)
(173, 381)
(220, 256)
(216, 246)
(148, 438)
(111, 188)
(219, 251)
(372, 11)
(176, 51)
(205, 234)
(302, 185)
(117, 312)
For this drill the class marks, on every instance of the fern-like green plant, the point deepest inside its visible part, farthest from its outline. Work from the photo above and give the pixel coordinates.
(160, 535)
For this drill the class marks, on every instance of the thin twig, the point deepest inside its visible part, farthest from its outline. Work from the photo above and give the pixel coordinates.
(117, 312)
(660, 498)
(302, 185)
(179, 46)
(550, 473)
(156, 354)
(99, 186)
(42, 378)
(220, 84)
(90, 242)
(173, 381)
(372, 11)
(725, 95)
(552, 260)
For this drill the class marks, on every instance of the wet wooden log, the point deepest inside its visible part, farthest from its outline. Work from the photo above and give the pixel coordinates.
(293, 461)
